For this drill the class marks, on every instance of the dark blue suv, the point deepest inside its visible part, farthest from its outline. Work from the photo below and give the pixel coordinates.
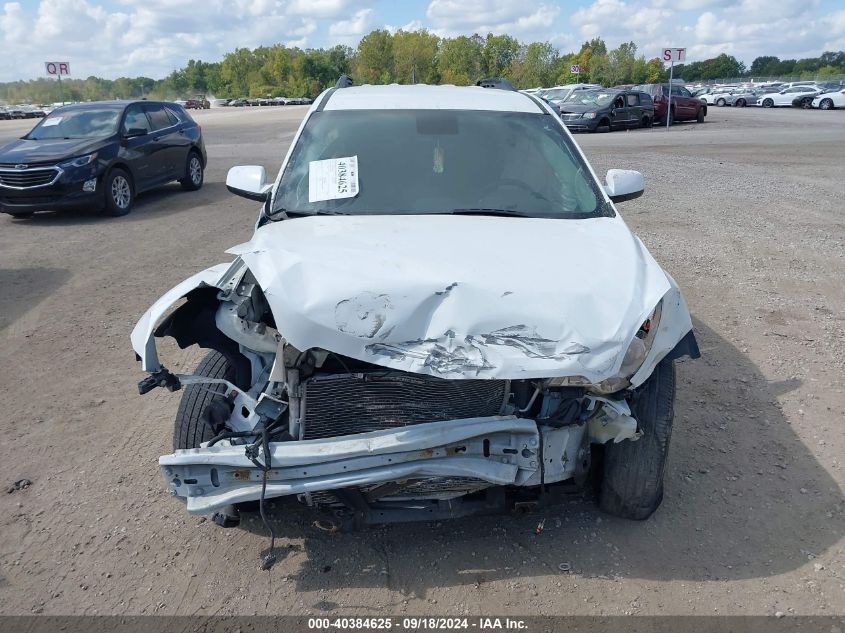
(100, 155)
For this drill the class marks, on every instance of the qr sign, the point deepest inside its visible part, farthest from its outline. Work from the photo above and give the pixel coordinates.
(57, 69)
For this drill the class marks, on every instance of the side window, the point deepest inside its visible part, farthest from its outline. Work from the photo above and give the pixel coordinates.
(158, 116)
(633, 100)
(619, 102)
(645, 99)
(135, 119)
(173, 115)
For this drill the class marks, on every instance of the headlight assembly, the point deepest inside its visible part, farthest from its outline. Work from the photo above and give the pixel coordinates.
(635, 355)
(589, 115)
(79, 162)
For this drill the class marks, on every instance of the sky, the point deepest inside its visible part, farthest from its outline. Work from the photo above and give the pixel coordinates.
(112, 38)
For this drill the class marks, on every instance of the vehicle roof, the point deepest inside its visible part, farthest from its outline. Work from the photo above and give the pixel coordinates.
(117, 103)
(425, 97)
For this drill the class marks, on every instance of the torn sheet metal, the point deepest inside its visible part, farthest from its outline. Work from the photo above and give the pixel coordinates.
(142, 335)
(501, 450)
(449, 296)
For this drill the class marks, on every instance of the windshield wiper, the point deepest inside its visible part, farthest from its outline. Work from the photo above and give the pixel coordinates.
(494, 212)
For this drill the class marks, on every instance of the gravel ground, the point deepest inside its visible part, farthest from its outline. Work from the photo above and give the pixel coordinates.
(744, 211)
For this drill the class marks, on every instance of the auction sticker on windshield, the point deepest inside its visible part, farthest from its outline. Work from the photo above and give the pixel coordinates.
(51, 121)
(332, 179)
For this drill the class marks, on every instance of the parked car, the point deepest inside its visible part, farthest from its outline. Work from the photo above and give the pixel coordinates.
(592, 110)
(197, 104)
(806, 100)
(829, 100)
(559, 94)
(4, 114)
(101, 154)
(786, 96)
(414, 376)
(16, 112)
(717, 96)
(743, 97)
(685, 107)
(238, 103)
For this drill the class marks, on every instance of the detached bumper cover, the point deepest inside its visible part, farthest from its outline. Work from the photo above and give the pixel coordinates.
(501, 450)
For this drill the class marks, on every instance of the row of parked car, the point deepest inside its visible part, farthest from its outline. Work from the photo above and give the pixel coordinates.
(23, 112)
(273, 101)
(591, 108)
(802, 94)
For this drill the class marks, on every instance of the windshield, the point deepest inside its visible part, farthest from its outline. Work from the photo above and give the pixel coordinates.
(77, 123)
(557, 93)
(437, 161)
(592, 98)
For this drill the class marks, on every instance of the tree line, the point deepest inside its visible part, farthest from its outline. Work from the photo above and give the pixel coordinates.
(406, 57)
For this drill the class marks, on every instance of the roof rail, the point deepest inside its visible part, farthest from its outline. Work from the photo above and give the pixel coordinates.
(344, 81)
(495, 82)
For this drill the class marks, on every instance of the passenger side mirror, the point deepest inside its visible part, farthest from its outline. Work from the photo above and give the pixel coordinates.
(249, 181)
(134, 131)
(624, 184)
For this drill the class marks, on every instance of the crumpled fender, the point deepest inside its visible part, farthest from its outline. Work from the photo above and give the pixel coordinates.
(143, 341)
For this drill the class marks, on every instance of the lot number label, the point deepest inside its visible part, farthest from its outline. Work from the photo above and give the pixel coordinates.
(332, 179)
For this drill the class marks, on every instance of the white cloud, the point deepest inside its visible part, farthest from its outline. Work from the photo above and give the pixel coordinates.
(110, 38)
(528, 20)
(318, 8)
(351, 30)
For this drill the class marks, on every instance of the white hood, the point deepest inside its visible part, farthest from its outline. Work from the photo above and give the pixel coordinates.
(458, 296)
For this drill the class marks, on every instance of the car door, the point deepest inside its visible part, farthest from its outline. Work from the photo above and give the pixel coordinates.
(180, 139)
(785, 97)
(686, 102)
(165, 141)
(619, 112)
(635, 110)
(136, 147)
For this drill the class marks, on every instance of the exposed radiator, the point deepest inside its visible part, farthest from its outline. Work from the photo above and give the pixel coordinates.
(344, 404)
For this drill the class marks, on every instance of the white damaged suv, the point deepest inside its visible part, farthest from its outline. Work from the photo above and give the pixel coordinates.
(440, 313)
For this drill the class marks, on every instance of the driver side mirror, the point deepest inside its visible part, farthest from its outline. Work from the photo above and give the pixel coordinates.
(249, 181)
(624, 184)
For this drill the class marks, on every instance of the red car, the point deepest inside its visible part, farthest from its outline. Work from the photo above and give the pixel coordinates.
(685, 107)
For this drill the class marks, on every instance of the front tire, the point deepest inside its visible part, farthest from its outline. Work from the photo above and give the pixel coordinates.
(646, 122)
(700, 116)
(768, 103)
(194, 172)
(721, 103)
(632, 478)
(740, 103)
(193, 424)
(826, 104)
(119, 193)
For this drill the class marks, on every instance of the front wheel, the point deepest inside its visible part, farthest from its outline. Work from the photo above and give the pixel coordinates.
(700, 116)
(826, 104)
(195, 419)
(768, 103)
(632, 472)
(194, 173)
(646, 122)
(119, 193)
(740, 103)
(721, 103)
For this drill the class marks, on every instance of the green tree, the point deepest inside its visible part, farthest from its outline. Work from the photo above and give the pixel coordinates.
(375, 62)
(415, 56)
(460, 61)
(499, 52)
(537, 67)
